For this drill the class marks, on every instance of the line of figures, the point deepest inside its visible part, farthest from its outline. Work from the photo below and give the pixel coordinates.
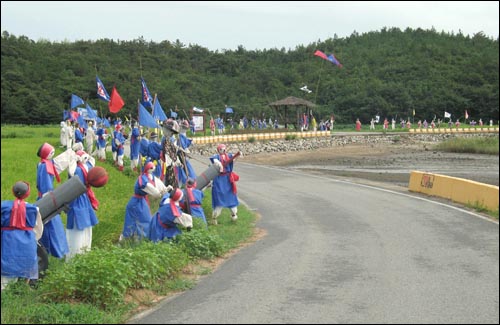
(166, 174)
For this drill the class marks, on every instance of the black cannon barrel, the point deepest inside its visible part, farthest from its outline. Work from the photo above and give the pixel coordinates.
(57, 200)
(208, 175)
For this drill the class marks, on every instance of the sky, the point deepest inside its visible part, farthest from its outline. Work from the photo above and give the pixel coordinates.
(226, 25)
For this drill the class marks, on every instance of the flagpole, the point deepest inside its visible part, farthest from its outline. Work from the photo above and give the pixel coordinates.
(98, 102)
(317, 85)
(140, 65)
(157, 124)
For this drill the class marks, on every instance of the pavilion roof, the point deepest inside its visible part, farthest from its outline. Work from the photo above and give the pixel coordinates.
(292, 101)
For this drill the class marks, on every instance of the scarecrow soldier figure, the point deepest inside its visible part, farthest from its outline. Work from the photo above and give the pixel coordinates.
(169, 152)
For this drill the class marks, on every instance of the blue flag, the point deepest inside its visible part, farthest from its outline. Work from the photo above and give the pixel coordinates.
(334, 60)
(145, 119)
(101, 91)
(229, 110)
(91, 114)
(146, 95)
(158, 112)
(82, 122)
(66, 115)
(173, 114)
(76, 101)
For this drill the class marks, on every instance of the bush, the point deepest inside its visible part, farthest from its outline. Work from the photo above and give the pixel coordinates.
(102, 276)
(200, 243)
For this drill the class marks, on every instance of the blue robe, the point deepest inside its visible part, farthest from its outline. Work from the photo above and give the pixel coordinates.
(162, 224)
(54, 236)
(222, 189)
(19, 246)
(184, 143)
(137, 212)
(81, 215)
(195, 204)
(134, 144)
(154, 151)
(101, 142)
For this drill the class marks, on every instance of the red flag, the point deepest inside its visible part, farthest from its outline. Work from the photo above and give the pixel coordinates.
(321, 54)
(116, 102)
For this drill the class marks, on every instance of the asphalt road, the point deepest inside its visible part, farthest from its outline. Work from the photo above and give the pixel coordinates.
(339, 252)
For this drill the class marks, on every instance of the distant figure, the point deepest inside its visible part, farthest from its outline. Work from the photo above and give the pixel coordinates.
(63, 136)
(90, 138)
(358, 125)
(102, 135)
(212, 126)
(135, 144)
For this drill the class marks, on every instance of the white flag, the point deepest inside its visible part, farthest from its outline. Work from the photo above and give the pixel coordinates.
(306, 89)
(447, 115)
(198, 110)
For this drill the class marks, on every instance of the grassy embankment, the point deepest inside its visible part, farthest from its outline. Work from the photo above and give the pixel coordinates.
(97, 287)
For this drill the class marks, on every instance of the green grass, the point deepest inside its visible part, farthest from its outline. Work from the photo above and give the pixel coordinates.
(91, 288)
(480, 145)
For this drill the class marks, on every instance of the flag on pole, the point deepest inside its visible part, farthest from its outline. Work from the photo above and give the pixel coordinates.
(76, 101)
(331, 58)
(466, 115)
(158, 112)
(413, 112)
(145, 119)
(73, 115)
(321, 54)
(197, 110)
(91, 114)
(334, 60)
(147, 99)
(101, 91)
(81, 122)
(173, 114)
(116, 102)
(447, 115)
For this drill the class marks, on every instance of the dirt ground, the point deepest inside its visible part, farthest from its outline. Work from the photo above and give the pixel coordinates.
(385, 163)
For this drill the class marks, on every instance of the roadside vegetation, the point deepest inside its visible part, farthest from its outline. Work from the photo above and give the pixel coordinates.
(480, 145)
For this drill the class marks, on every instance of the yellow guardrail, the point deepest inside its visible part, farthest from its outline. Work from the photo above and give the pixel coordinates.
(456, 189)
(258, 136)
(456, 130)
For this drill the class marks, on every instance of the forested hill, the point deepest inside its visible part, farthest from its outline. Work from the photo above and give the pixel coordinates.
(389, 72)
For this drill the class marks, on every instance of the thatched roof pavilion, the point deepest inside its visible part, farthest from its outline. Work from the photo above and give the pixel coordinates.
(300, 105)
